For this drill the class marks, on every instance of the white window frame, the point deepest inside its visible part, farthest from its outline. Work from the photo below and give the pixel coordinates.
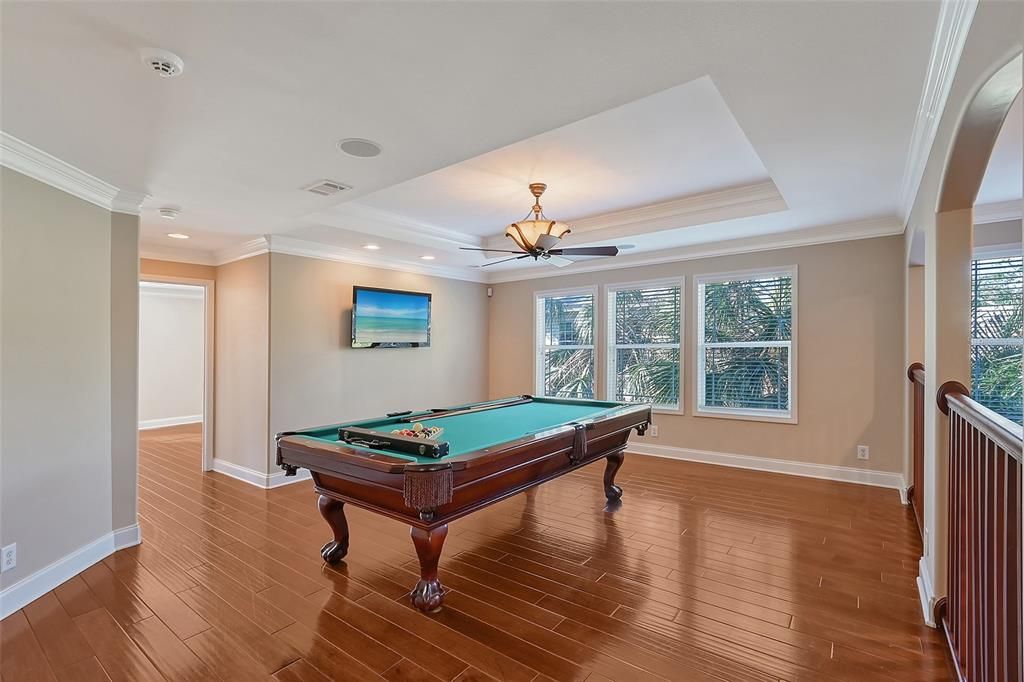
(610, 375)
(538, 334)
(748, 414)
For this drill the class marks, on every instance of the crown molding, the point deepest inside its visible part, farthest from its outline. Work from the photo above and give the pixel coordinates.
(298, 247)
(48, 169)
(827, 234)
(998, 212)
(386, 225)
(700, 209)
(954, 22)
(253, 247)
(168, 253)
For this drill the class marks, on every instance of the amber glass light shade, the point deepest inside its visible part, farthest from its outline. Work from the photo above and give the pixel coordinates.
(525, 232)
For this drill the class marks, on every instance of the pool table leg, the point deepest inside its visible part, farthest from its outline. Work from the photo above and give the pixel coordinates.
(333, 512)
(612, 491)
(428, 595)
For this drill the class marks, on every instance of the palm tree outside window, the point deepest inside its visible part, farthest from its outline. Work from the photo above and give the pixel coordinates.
(746, 341)
(996, 340)
(565, 343)
(644, 325)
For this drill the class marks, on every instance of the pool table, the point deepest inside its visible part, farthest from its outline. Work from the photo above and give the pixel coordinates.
(486, 452)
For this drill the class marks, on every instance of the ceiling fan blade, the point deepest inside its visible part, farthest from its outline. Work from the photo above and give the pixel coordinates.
(505, 260)
(469, 248)
(587, 251)
(558, 261)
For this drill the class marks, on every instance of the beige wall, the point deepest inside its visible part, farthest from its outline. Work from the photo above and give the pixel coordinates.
(241, 362)
(55, 397)
(850, 319)
(166, 268)
(915, 314)
(317, 378)
(124, 366)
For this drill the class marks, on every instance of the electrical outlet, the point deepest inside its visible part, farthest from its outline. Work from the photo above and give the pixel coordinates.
(863, 452)
(654, 430)
(10, 557)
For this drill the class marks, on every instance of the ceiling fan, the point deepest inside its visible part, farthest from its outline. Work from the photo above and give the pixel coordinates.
(538, 238)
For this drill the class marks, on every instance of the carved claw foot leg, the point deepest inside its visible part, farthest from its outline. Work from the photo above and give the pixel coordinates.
(612, 491)
(428, 595)
(333, 512)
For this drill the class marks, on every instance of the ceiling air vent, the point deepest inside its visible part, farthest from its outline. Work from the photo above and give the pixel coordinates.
(326, 188)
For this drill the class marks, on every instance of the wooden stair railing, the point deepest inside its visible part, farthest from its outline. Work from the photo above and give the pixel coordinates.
(916, 491)
(981, 614)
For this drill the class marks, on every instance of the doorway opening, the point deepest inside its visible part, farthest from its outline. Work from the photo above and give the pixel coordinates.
(176, 368)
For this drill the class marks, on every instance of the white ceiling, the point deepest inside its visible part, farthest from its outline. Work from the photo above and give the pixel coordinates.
(802, 110)
(1004, 177)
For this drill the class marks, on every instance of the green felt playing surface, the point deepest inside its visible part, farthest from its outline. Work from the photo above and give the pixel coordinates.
(478, 430)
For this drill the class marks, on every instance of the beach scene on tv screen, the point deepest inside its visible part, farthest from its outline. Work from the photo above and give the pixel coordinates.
(390, 317)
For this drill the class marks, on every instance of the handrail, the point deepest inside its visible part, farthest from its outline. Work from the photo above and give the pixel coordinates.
(916, 373)
(1005, 433)
(916, 491)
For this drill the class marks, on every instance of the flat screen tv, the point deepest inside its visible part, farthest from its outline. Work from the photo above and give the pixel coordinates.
(386, 318)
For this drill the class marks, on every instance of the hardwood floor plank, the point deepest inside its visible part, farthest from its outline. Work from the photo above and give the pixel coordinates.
(87, 670)
(324, 656)
(225, 658)
(300, 671)
(122, 660)
(182, 620)
(270, 652)
(443, 664)
(76, 597)
(167, 652)
(114, 595)
(56, 633)
(23, 658)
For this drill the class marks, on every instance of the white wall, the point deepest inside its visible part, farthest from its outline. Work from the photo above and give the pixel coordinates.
(171, 320)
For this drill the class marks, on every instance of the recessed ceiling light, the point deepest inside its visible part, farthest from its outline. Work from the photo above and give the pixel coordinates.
(358, 147)
(169, 213)
(371, 247)
(177, 235)
(426, 258)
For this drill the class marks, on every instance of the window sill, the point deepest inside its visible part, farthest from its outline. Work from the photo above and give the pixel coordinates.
(678, 411)
(747, 416)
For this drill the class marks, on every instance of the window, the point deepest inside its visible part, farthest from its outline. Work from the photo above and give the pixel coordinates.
(996, 342)
(565, 343)
(745, 345)
(644, 322)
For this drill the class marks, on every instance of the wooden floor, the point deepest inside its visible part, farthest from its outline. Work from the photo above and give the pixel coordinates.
(703, 573)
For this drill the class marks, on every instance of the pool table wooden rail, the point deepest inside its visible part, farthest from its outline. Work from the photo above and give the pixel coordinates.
(429, 495)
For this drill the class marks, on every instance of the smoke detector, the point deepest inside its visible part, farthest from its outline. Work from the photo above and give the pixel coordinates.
(326, 188)
(169, 213)
(165, 64)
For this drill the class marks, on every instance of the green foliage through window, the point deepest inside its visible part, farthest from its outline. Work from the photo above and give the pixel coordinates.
(745, 337)
(645, 351)
(996, 339)
(567, 339)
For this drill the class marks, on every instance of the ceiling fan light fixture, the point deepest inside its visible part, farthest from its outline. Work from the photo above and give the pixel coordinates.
(537, 231)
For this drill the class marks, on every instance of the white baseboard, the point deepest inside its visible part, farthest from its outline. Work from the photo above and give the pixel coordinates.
(257, 478)
(169, 421)
(31, 587)
(881, 479)
(926, 592)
